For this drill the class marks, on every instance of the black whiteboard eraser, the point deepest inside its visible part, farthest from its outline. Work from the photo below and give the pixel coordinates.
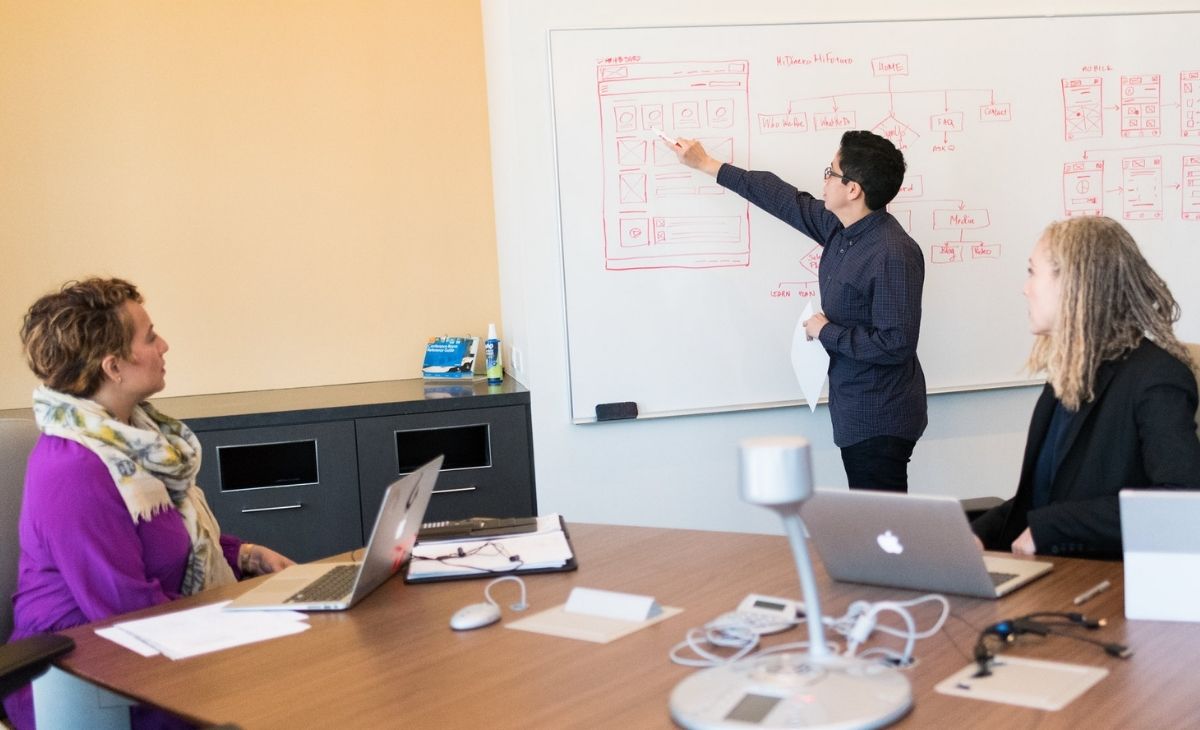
(616, 411)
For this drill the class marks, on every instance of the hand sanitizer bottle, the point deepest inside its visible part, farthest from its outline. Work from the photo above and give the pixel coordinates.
(491, 349)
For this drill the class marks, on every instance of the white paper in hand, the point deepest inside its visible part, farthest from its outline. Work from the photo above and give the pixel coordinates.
(809, 361)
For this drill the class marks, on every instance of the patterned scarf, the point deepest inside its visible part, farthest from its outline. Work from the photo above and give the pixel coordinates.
(153, 463)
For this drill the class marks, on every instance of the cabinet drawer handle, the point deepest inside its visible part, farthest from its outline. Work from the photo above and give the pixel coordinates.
(247, 510)
(471, 488)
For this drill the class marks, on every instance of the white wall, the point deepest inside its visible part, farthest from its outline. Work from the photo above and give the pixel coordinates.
(681, 472)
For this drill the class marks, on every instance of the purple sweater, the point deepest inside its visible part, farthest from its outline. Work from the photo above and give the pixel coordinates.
(82, 558)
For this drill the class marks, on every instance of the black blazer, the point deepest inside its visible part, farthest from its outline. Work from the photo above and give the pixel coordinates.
(1138, 431)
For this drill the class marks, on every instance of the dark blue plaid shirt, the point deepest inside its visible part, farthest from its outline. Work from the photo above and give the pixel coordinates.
(871, 278)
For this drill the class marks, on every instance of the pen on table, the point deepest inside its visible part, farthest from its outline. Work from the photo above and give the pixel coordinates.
(1092, 592)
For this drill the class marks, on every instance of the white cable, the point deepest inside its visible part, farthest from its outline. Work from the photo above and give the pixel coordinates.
(937, 626)
(727, 635)
(857, 625)
(865, 624)
(724, 637)
(519, 606)
(862, 619)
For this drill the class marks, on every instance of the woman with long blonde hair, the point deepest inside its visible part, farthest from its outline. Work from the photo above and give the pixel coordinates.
(1119, 406)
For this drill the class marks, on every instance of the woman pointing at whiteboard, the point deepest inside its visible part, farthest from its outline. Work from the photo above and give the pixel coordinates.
(871, 277)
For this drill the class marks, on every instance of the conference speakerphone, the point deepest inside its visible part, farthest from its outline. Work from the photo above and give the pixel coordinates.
(792, 690)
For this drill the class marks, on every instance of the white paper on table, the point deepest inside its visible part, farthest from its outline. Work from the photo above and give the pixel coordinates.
(810, 361)
(129, 641)
(205, 629)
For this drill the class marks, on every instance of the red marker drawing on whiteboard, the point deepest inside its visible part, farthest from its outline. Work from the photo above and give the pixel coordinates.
(669, 140)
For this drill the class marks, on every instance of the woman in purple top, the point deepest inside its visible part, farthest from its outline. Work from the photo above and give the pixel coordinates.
(112, 520)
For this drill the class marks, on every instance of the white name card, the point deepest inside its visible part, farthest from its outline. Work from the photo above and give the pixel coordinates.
(611, 604)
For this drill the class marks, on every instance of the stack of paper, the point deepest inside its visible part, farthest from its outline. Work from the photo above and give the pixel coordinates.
(201, 630)
(545, 548)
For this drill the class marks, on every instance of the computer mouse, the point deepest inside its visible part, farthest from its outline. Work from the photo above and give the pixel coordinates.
(475, 616)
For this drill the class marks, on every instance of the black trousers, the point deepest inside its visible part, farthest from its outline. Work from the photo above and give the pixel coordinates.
(878, 463)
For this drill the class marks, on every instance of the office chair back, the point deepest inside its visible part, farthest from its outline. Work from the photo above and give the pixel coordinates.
(17, 437)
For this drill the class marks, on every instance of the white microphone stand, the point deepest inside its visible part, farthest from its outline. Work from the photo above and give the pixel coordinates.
(813, 689)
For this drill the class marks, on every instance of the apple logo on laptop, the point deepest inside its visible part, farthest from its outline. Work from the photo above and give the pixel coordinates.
(890, 543)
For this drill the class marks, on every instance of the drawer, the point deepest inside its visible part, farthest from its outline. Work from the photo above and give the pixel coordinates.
(487, 470)
(291, 488)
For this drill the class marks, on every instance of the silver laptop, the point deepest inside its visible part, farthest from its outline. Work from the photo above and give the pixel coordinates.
(338, 586)
(1162, 554)
(908, 541)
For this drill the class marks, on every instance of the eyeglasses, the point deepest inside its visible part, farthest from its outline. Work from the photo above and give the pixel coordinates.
(489, 554)
(830, 173)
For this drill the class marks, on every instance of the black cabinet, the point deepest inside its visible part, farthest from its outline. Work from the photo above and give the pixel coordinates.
(303, 470)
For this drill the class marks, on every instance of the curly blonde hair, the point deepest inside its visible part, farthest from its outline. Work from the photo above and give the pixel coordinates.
(68, 333)
(1111, 300)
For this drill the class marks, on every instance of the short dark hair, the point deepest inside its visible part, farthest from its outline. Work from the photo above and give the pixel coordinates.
(68, 333)
(875, 164)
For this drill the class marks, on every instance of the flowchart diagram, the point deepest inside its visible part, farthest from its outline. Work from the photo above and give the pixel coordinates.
(950, 112)
(660, 214)
(840, 111)
(1157, 173)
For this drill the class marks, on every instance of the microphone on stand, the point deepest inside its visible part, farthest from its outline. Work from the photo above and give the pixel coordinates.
(813, 689)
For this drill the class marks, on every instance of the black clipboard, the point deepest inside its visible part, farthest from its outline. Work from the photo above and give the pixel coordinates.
(570, 565)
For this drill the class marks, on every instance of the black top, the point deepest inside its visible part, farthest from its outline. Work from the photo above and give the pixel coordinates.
(1138, 431)
(1048, 457)
(871, 277)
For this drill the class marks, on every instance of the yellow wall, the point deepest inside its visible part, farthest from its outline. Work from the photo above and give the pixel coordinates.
(302, 190)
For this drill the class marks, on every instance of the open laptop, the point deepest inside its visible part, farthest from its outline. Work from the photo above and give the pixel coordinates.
(338, 586)
(908, 541)
(1162, 553)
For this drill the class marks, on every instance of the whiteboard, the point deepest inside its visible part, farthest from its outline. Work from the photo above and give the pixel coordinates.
(683, 298)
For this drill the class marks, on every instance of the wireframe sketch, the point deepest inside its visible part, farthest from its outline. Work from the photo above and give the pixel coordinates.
(1189, 103)
(1083, 112)
(1083, 188)
(1141, 106)
(1190, 188)
(1142, 184)
(657, 212)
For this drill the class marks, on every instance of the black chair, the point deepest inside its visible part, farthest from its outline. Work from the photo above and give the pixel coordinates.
(978, 505)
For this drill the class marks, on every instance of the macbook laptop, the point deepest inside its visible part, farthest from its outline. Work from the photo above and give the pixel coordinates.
(338, 586)
(908, 541)
(1162, 554)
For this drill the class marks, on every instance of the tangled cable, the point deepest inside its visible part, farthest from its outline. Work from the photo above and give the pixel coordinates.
(857, 624)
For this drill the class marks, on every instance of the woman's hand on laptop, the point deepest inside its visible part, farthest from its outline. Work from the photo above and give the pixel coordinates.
(259, 560)
(1023, 545)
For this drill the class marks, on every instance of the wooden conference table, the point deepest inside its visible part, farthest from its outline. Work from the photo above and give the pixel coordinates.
(393, 661)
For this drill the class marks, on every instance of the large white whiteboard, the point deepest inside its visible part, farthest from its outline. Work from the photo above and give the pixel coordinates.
(682, 298)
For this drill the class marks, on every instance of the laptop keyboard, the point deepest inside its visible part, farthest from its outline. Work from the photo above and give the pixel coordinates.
(998, 578)
(332, 586)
